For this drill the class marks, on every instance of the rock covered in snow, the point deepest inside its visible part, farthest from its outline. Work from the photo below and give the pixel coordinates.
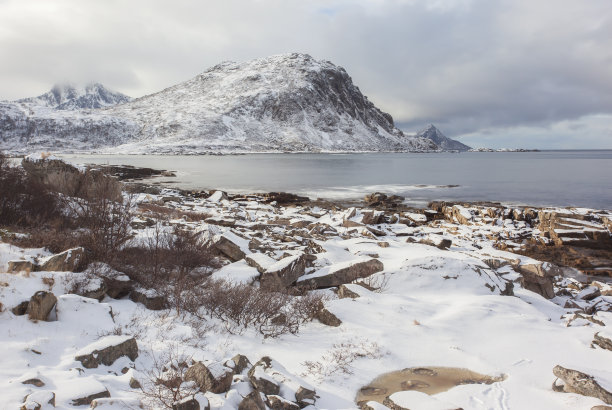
(578, 382)
(341, 273)
(106, 350)
(41, 305)
(213, 377)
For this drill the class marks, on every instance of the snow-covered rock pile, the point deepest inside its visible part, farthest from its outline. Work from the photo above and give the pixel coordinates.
(403, 288)
(288, 102)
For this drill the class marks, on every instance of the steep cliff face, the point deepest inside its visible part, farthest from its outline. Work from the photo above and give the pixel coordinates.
(288, 102)
(441, 140)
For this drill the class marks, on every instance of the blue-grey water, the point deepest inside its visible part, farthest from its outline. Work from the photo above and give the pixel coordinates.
(547, 178)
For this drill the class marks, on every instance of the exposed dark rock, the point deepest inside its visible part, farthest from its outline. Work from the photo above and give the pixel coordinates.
(80, 401)
(343, 273)
(582, 383)
(345, 292)
(41, 304)
(284, 198)
(283, 273)
(21, 309)
(252, 401)
(229, 248)
(241, 362)
(20, 266)
(260, 380)
(603, 342)
(539, 278)
(38, 400)
(149, 298)
(280, 403)
(106, 350)
(305, 397)
(327, 318)
(214, 377)
(35, 382)
(71, 260)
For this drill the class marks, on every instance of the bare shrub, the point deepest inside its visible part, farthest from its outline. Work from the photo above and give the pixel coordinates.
(23, 201)
(163, 384)
(375, 283)
(241, 306)
(340, 357)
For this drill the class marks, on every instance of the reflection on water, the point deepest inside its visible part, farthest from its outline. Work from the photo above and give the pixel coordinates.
(558, 178)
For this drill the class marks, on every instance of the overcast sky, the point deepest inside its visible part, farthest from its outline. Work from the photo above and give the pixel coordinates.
(508, 73)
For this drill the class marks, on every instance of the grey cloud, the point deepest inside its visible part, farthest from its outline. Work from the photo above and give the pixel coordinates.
(472, 67)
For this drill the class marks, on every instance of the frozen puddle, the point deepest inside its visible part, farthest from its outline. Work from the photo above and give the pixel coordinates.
(430, 380)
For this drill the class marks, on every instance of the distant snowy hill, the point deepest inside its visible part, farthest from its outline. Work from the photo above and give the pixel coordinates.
(288, 102)
(70, 97)
(445, 143)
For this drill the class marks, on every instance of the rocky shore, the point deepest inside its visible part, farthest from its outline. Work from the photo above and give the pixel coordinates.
(521, 294)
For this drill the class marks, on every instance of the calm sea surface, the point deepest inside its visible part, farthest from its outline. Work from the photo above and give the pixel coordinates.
(555, 178)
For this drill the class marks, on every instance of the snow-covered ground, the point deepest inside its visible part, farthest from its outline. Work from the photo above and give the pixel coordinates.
(434, 307)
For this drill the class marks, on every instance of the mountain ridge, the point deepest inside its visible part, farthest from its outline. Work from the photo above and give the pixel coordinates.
(446, 144)
(287, 102)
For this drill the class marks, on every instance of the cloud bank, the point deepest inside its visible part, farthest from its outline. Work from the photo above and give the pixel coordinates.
(495, 73)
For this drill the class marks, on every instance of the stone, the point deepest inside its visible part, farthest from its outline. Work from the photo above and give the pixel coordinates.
(71, 260)
(259, 261)
(252, 401)
(372, 217)
(305, 397)
(283, 273)
(134, 384)
(603, 342)
(89, 286)
(279, 403)
(229, 249)
(41, 304)
(189, 403)
(38, 400)
(118, 284)
(241, 363)
(582, 383)
(80, 401)
(150, 298)
(106, 350)
(539, 277)
(589, 293)
(344, 292)
(342, 273)
(383, 244)
(20, 266)
(327, 318)
(21, 309)
(35, 382)
(262, 381)
(213, 377)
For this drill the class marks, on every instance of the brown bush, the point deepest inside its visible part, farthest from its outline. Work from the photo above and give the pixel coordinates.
(23, 201)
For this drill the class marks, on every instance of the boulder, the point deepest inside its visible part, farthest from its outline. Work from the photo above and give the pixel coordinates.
(117, 283)
(279, 403)
(106, 350)
(39, 400)
(71, 260)
(582, 383)
(213, 377)
(326, 317)
(602, 341)
(189, 403)
(41, 304)
(372, 217)
(283, 273)
(341, 273)
(284, 198)
(88, 286)
(229, 248)
(87, 399)
(259, 261)
(305, 397)
(262, 381)
(344, 292)
(20, 266)
(21, 309)
(538, 277)
(252, 401)
(589, 293)
(150, 298)
(34, 382)
(240, 363)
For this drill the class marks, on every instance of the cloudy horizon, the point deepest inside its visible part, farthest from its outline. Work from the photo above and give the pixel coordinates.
(496, 74)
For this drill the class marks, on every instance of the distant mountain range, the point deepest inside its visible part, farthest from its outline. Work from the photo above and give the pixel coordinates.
(288, 102)
(446, 144)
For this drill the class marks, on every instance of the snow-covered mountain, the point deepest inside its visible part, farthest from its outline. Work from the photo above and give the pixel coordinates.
(288, 102)
(70, 97)
(446, 144)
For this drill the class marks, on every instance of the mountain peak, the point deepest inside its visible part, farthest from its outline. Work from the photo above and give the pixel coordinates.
(67, 96)
(445, 143)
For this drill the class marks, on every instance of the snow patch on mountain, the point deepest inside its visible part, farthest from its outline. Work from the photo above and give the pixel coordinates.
(71, 97)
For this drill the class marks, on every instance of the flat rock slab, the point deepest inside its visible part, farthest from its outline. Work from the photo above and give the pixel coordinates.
(582, 383)
(283, 273)
(341, 273)
(106, 350)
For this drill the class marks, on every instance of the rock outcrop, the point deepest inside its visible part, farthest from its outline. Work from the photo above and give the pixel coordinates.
(106, 350)
(581, 383)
